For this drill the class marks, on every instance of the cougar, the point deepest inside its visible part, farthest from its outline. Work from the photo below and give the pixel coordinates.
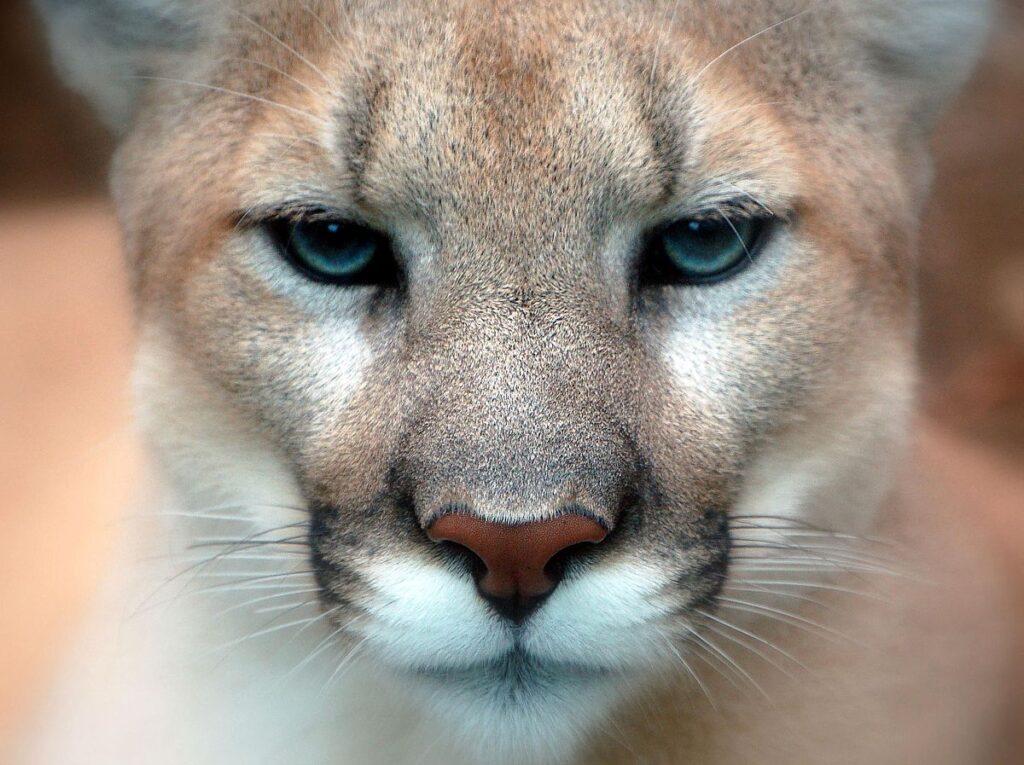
(529, 382)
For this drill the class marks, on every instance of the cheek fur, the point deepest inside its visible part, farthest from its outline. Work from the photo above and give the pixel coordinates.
(293, 354)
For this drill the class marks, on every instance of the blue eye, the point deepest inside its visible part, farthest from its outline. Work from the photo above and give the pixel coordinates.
(338, 252)
(703, 250)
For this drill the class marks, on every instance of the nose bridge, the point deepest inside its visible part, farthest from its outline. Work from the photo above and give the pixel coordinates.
(521, 418)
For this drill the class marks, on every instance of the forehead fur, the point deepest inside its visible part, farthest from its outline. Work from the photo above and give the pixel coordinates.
(922, 48)
(449, 110)
(337, 90)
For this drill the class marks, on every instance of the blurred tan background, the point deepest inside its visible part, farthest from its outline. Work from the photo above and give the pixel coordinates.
(68, 460)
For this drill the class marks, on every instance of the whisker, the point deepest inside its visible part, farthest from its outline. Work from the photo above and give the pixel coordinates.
(215, 513)
(325, 615)
(259, 633)
(264, 598)
(761, 562)
(715, 667)
(274, 609)
(320, 647)
(239, 555)
(252, 579)
(815, 586)
(237, 93)
(739, 238)
(227, 587)
(198, 566)
(287, 609)
(205, 517)
(305, 86)
(234, 547)
(818, 535)
(700, 74)
(286, 46)
(689, 669)
(319, 19)
(221, 588)
(345, 662)
(731, 662)
(793, 526)
(753, 636)
(814, 540)
(781, 615)
(781, 594)
(747, 194)
(300, 540)
(822, 552)
(248, 576)
(747, 647)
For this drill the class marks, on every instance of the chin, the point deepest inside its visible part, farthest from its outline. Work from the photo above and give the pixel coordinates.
(521, 709)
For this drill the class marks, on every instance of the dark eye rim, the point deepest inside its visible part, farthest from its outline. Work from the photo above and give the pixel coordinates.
(383, 271)
(656, 270)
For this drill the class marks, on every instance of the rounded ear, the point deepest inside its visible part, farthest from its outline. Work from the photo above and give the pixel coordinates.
(923, 49)
(103, 47)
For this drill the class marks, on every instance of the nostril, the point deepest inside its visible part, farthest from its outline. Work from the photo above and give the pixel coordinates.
(473, 562)
(516, 565)
(556, 565)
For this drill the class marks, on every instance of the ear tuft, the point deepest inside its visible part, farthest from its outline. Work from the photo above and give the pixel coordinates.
(101, 45)
(925, 49)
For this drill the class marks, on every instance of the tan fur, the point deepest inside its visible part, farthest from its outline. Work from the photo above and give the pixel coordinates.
(517, 154)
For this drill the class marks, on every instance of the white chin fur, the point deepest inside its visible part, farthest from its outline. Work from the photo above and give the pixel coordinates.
(432, 626)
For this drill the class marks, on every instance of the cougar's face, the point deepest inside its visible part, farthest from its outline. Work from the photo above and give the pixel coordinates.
(529, 310)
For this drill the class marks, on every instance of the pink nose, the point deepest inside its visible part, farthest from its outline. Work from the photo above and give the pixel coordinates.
(517, 559)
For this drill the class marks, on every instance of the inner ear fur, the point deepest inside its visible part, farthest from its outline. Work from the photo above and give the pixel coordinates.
(922, 50)
(102, 47)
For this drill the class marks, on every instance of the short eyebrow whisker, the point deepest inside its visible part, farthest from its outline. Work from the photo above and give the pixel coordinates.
(322, 23)
(269, 67)
(286, 46)
(747, 194)
(237, 93)
(700, 74)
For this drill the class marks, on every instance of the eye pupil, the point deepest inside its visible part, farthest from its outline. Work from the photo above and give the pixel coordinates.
(336, 251)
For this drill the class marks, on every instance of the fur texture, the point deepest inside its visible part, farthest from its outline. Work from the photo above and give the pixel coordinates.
(737, 438)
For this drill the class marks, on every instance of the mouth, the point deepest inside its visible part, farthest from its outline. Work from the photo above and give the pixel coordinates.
(516, 669)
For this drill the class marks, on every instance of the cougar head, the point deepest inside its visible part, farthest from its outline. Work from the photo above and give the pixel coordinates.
(531, 313)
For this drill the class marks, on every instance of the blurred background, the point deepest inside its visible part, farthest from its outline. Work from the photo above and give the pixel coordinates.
(69, 460)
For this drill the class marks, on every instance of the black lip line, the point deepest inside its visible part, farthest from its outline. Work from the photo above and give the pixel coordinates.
(514, 656)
